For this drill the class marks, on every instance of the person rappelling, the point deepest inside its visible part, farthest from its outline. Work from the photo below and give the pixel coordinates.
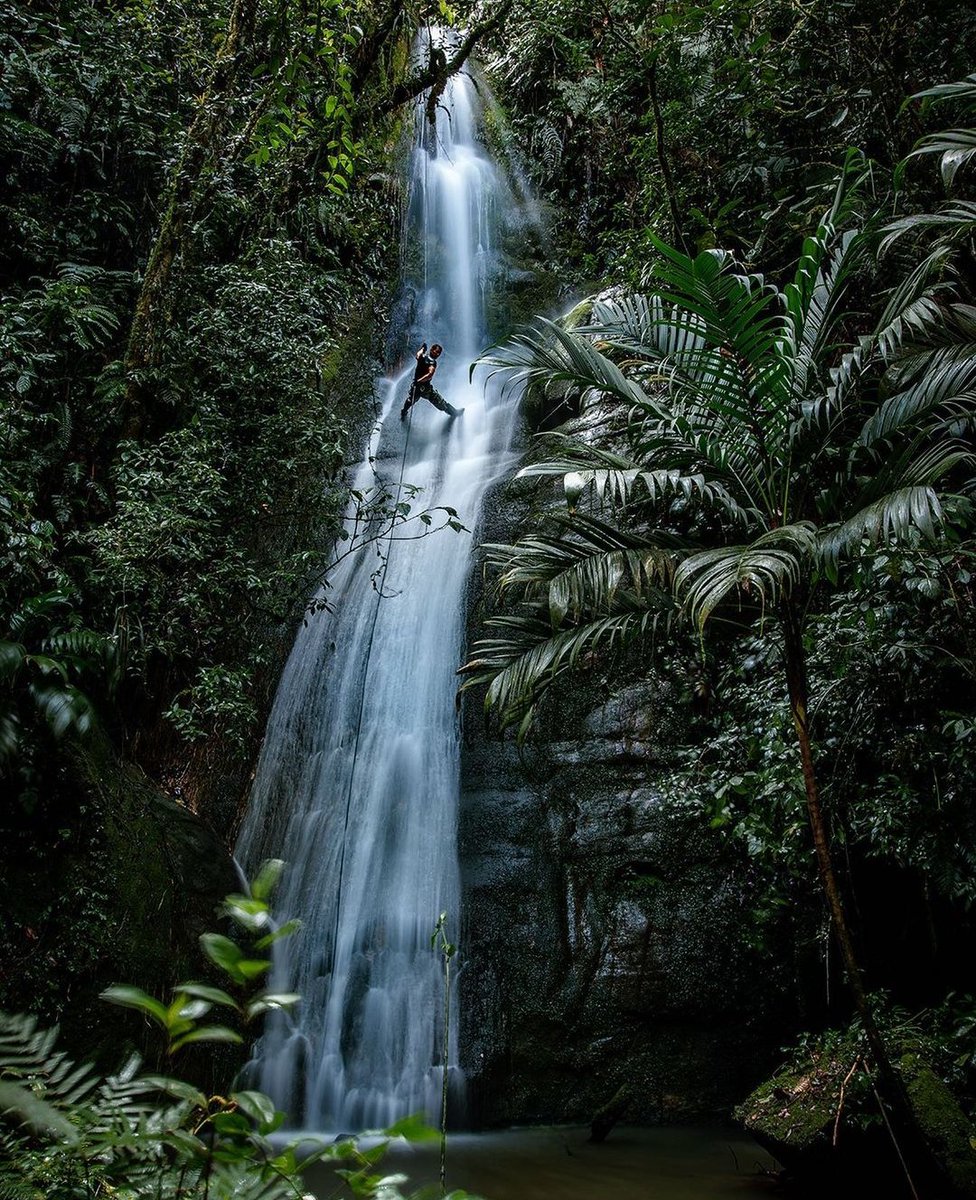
(422, 386)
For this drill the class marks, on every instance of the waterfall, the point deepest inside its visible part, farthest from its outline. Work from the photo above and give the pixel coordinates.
(357, 783)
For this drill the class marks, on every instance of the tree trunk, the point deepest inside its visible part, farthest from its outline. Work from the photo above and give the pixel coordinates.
(606, 1117)
(662, 157)
(440, 68)
(179, 204)
(913, 1148)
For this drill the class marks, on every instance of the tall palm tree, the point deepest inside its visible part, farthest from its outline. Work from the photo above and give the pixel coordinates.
(727, 399)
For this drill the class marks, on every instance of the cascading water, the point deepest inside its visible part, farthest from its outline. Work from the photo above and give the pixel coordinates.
(357, 784)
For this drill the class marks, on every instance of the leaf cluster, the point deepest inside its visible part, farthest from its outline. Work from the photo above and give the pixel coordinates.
(66, 1129)
(713, 124)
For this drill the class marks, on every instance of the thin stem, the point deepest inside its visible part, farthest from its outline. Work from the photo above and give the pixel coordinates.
(444, 1066)
(662, 156)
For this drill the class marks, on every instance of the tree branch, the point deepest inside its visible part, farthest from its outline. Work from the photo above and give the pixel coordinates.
(440, 68)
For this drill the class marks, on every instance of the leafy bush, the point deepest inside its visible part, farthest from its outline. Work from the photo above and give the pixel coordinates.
(67, 1131)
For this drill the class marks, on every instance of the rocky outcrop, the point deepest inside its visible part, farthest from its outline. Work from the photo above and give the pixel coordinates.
(820, 1119)
(106, 880)
(603, 940)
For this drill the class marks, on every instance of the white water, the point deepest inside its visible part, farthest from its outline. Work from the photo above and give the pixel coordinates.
(358, 779)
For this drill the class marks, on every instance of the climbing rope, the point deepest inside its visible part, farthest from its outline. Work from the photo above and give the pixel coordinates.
(362, 692)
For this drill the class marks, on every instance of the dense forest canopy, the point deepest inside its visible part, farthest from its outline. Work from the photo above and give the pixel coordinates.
(764, 423)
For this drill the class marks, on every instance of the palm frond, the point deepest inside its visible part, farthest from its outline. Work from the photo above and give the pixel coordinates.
(584, 589)
(946, 383)
(898, 502)
(912, 313)
(957, 147)
(952, 221)
(919, 461)
(24, 1106)
(616, 479)
(527, 658)
(764, 569)
(580, 570)
(814, 303)
(594, 582)
(580, 580)
(739, 312)
(887, 520)
(963, 89)
(548, 355)
(645, 327)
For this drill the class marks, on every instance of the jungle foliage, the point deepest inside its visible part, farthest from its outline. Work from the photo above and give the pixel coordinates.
(67, 1130)
(197, 215)
(788, 469)
(718, 123)
(199, 221)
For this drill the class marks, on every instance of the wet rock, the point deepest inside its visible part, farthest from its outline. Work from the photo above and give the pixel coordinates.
(117, 890)
(603, 931)
(603, 938)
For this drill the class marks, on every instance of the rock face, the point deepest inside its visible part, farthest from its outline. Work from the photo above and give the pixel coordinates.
(109, 882)
(603, 939)
(601, 943)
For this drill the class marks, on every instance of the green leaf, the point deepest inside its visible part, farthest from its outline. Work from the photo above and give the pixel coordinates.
(259, 1107)
(267, 879)
(30, 1110)
(272, 1002)
(178, 1088)
(249, 913)
(287, 1161)
(283, 931)
(414, 1129)
(133, 997)
(252, 968)
(206, 1033)
(185, 1010)
(222, 951)
(48, 666)
(185, 1142)
(231, 1123)
(12, 654)
(204, 991)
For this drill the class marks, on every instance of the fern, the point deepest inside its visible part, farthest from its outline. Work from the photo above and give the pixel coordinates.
(547, 146)
(68, 1131)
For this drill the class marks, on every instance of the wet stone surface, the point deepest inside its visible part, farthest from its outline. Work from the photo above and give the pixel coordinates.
(603, 937)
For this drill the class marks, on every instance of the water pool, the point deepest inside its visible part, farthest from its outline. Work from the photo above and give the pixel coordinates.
(559, 1163)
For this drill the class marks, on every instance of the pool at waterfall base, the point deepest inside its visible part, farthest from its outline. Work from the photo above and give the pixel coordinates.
(560, 1163)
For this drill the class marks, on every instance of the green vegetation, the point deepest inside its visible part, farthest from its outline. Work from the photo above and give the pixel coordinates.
(67, 1131)
(824, 1102)
(716, 123)
(768, 463)
(200, 222)
(201, 219)
(788, 469)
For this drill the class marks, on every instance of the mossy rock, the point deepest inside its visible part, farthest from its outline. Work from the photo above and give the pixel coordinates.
(107, 881)
(948, 1131)
(793, 1113)
(801, 1117)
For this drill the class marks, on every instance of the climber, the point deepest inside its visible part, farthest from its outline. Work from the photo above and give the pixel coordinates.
(422, 386)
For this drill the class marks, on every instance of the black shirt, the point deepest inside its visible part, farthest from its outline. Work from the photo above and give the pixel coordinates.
(424, 364)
